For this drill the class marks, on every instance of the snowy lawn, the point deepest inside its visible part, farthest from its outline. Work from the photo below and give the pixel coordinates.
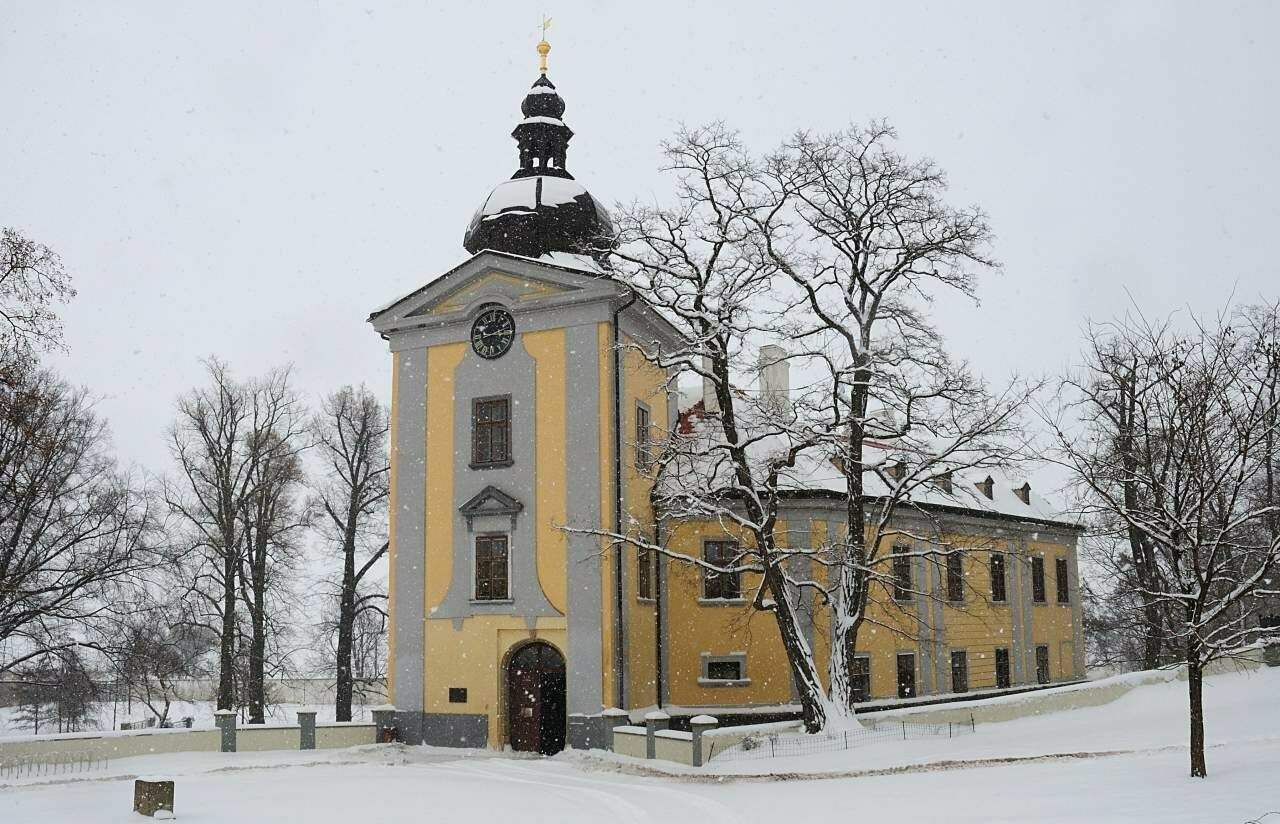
(1135, 770)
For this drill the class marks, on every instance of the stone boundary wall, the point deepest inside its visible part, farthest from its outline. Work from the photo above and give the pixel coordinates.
(249, 738)
(630, 741)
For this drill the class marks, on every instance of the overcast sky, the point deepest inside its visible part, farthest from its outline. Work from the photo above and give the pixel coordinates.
(249, 180)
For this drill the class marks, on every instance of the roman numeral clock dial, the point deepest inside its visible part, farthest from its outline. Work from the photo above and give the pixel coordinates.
(492, 333)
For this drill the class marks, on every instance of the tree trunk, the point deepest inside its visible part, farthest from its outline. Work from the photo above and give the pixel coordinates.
(1195, 684)
(804, 674)
(258, 656)
(346, 623)
(227, 644)
(851, 560)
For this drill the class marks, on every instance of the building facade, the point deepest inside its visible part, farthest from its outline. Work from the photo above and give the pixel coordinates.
(515, 408)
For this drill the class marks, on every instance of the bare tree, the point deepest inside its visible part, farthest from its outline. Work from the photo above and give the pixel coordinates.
(72, 526)
(32, 281)
(874, 243)
(226, 444)
(273, 518)
(157, 651)
(1202, 432)
(698, 264)
(351, 438)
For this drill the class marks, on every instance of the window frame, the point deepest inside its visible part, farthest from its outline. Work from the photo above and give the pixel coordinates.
(1008, 669)
(1045, 675)
(707, 574)
(962, 685)
(706, 660)
(900, 593)
(476, 425)
(897, 674)
(646, 560)
(643, 444)
(997, 559)
(475, 568)
(865, 659)
(954, 571)
(1038, 592)
(1062, 580)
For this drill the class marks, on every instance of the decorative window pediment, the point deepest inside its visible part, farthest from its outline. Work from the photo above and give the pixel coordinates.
(488, 502)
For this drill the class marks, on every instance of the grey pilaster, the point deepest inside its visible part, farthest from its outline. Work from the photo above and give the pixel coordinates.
(409, 548)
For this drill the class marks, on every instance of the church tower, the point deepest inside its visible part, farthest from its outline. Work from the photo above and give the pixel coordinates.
(514, 409)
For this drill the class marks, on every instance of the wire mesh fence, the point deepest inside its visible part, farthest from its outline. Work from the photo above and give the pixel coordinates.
(61, 763)
(783, 744)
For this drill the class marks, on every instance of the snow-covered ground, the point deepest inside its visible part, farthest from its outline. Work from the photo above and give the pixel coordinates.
(1125, 761)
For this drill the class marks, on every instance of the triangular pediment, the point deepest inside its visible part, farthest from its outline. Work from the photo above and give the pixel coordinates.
(493, 284)
(495, 277)
(491, 501)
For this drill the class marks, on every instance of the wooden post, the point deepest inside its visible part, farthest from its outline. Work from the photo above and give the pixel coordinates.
(151, 796)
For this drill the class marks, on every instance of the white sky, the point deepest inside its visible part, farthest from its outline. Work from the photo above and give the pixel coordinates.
(249, 180)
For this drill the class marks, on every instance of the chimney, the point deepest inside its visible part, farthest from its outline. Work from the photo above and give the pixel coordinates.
(1024, 493)
(709, 401)
(775, 375)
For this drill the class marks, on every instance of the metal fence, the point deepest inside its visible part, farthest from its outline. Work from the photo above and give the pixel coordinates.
(61, 763)
(783, 744)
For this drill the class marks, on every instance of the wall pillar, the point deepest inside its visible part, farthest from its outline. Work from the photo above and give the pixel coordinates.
(383, 720)
(700, 724)
(226, 721)
(614, 718)
(307, 728)
(654, 721)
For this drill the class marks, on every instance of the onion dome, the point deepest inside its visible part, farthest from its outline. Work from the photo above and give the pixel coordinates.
(541, 209)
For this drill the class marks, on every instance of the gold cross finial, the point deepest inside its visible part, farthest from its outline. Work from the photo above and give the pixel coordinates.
(544, 46)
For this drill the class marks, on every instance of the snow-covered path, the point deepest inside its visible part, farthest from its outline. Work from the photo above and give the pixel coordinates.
(398, 784)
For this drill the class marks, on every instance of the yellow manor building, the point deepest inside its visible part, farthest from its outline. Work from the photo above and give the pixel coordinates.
(515, 413)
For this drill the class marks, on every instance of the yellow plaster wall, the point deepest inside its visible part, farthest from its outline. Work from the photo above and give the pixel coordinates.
(719, 629)
(977, 625)
(473, 657)
(604, 336)
(441, 363)
(547, 348)
(644, 383)
(1051, 621)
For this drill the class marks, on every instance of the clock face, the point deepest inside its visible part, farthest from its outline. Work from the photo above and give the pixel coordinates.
(493, 332)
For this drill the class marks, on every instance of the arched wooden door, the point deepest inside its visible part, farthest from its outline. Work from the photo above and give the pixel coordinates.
(535, 699)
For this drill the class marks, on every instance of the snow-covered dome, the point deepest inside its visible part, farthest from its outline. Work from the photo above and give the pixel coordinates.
(541, 209)
(532, 216)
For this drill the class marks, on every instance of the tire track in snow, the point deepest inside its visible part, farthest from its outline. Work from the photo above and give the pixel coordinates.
(626, 812)
(713, 811)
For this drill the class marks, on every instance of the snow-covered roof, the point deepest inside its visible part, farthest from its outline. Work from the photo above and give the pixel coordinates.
(816, 473)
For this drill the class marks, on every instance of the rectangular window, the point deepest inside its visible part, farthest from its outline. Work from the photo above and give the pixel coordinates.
(491, 568)
(860, 684)
(724, 670)
(644, 456)
(721, 585)
(906, 674)
(1037, 579)
(644, 573)
(1042, 665)
(901, 573)
(1060, 572)
(959, 671)
(997, 577)
(491, 431)
(955, 576)
(1003, 680)
(457, 695)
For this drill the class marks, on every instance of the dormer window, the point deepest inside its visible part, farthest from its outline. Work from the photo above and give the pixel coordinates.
(943, 481)
(987, 487)
(1024, 493)
(897, 470)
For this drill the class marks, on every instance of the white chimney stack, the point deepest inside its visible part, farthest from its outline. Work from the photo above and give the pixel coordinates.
(710, 403)
(775, 375)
